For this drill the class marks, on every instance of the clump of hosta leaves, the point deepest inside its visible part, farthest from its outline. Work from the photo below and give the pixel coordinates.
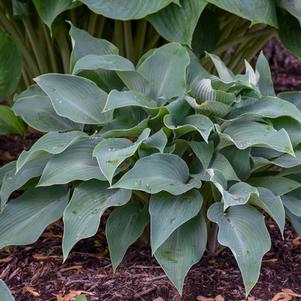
(163, 143)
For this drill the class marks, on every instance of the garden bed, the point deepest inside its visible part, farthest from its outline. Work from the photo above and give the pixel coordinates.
(37, 273)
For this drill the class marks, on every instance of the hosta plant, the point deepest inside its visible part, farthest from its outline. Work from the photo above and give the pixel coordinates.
(34, 33)
(189, 158)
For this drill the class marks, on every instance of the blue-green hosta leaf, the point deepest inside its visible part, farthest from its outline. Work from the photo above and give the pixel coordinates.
(52, 143)
(257, 11)
(203, 151)
(168, 173)
(235, 157)
(176, 210)
(289, 32)
(134, 9)
(124, 226)
(158, 141)
(111, 152)
(13, 181)
(82, 215)
(9, 167)
(135, 81)
(209, 108)
(196, 122)
(165, 69)
(25, 218)
(292, 6)
(269, 107)
(182, 250)
(203, 91)
(172, 23)
(245, 133)
(9, 122)
(295, 221)
(292, 96)
(292, 201)
(223, 71)
(43, 117)
(242, 229)
(272, 204)
(120, 99)
(110, 62)
(85, 44)
(221, 163)
(288, 161)
(75, 163)
(48, 11)
(238, 194)
(5, 293)
(76, 98)
(10, 65)
(278, 185)
(265, 82)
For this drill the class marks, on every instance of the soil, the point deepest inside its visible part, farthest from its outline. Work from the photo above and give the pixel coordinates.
(37, 272)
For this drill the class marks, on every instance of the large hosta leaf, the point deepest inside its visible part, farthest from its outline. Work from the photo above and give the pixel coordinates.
(88, 203)
(182, 250)
(168, 173)
(244, 134)
(289, 32)
(111, 152)
(25, 218)
(196, 122)
(203, 151)
(43, 117)
(272, 204)
(4, 292)
(165, 69)
(265, 82)
(13, 180)
(172, 22)
(10, 65)
(134, 9)
(269, 107)
(75, 97)
(292, 201)
(9, 122)
(75, 163)
(120, 99)
(124, 226)
(157, 141)
(257, 11)
(107, 62)
(85, 44)
(242, 229)
(292, 6)
(52, 143)
(176, 210)
(48, 11)
(279, 185)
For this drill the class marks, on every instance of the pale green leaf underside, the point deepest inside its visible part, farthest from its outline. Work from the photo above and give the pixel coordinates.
(4, 292)
(134, 9)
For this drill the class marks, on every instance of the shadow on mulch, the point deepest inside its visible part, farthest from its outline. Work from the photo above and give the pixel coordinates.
(88, 268)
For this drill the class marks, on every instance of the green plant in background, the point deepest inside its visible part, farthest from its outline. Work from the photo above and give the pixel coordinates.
(195, 156)
(34, 34)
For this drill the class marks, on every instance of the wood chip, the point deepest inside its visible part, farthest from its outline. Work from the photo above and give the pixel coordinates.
(6, 259)
(296, 241)
(30, 290)
(44, 257)
(159, 299)
(75, 267)
(217, 298)
(72, 294)
(285, 295)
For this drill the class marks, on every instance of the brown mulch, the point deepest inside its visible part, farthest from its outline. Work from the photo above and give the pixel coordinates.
(37, 273)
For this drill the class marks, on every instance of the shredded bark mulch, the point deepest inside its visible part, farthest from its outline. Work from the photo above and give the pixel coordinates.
(37, 272)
